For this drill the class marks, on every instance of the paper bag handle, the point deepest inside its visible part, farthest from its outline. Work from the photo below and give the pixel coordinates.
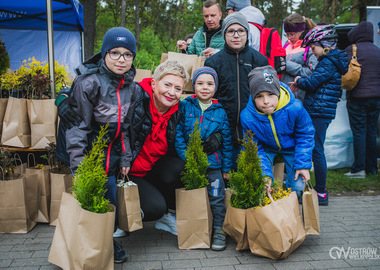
(34, 159)
(270, 196)
(308, 186)
(3, 173)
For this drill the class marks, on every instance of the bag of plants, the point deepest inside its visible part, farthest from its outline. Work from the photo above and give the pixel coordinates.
(128, 206)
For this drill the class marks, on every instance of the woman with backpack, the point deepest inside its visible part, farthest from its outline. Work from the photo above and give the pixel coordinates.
(299, 61)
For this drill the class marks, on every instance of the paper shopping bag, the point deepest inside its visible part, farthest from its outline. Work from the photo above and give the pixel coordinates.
(275, 230)
(128, 207)
(59, 183)
(188, 61)
(82, 239)
(235, 225)
(3, 107)
(310, 210)
(43, 175)
(194, 218)
(43, 118)
(18, 204)
(164, 57)
(16, 131)
(142, 74)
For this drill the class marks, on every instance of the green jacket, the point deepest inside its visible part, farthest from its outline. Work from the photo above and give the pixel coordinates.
(198, 44)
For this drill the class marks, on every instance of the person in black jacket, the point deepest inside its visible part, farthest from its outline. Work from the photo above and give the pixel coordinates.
(233, 65)
(363, 102)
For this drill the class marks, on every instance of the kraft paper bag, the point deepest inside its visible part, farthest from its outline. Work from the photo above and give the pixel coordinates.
(275, 230)
(82, 239)
(3, 107)
(164, 57)
(227, 197)
(20, 166)
(59, 183)
(16, 131)
(235, 225)
(194, 218)
(128, 207)
(44, 191)
(310, 210)
(43, 118)
(142, 74)
(18, 204)
(188, 61)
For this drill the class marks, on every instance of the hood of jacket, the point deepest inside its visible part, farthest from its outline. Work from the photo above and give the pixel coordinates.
(96, 64)
(363, 32)
(253, 15)
(339, 59)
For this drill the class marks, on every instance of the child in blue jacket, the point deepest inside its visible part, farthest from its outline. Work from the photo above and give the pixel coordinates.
(323, 91)
(212, 119)
(280, 125)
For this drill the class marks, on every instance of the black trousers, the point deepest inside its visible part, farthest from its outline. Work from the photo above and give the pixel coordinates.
(157, 188)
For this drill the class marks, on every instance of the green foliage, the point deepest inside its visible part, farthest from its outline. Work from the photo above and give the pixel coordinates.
(247, 182)
(4, 58)
(7, 171)
(90, 178)
(194, 175)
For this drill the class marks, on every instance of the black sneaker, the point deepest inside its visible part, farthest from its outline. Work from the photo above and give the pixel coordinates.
(323, 198)
(119, 255)
(218, 240)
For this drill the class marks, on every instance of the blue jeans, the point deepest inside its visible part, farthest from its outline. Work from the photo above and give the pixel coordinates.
(111, 194)
(363, 115)
(319, 159)
(288, 156)
(216, 194)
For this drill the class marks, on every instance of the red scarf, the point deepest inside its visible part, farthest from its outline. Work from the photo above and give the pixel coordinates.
(155, 145)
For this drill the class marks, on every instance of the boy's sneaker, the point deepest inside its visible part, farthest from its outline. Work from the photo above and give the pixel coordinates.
(323, 198)
(119, 233)
(360, 174)
(218, 240)
(167, 223)
(119, 255)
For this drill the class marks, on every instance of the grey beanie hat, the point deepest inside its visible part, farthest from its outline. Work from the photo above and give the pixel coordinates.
(262, 79)
(237, 5)
(232, 19)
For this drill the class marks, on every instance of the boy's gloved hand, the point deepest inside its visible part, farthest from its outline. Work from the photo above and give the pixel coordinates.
(67, 115)
(212, 143)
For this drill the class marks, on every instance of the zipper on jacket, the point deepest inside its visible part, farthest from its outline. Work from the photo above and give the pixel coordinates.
(238, 88)
(118, 124)
(122, 142)
(217, 158)
(274, 131)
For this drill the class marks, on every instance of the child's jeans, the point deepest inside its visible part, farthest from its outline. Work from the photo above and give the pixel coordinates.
(216, 194)
(111, 194)
(288, 156)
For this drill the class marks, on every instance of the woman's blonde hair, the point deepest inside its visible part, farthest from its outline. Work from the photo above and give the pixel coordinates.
(171, 67)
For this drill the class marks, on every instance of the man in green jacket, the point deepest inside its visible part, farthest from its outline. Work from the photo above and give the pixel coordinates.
(208, 40)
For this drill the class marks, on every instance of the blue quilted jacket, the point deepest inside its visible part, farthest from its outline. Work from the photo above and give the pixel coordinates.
(211, 121)
(289, 128)
(323, 86)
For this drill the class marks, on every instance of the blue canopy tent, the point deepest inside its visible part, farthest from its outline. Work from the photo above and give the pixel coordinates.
(26, 28)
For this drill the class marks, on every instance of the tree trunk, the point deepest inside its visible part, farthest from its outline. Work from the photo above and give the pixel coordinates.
(334, 6)
(324, 11)
(137, 23)
(353, 10)
(89, 14)
(122, 12)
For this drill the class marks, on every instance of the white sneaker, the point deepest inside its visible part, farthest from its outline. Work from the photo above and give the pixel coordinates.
(119, 233)
(360, 174)
(167, 223)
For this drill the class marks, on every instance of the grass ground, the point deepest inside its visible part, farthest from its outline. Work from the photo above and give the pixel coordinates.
(338, 184)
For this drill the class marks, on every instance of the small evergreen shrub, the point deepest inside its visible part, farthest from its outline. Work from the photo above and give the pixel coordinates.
(194, 175)
(90, 178)
(247, 182)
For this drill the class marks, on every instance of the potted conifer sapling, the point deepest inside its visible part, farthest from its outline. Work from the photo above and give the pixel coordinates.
(83, 236)
(194, 217)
